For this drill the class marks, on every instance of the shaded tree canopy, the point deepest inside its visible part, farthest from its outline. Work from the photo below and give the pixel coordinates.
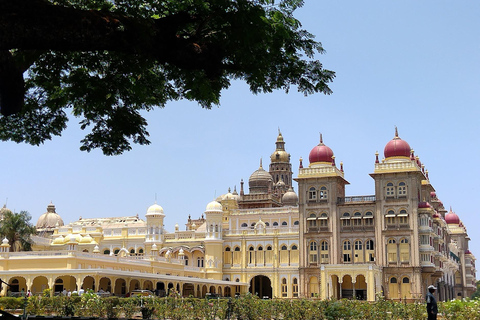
(107, 60)
(18, 229)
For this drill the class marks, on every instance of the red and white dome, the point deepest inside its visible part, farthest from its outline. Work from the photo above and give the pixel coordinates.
(320, 153)
(452, 218)
(397, 147)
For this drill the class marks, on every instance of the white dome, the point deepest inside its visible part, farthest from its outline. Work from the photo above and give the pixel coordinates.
(290, 198)
(154, 210)
(214, 206)
(49, 219)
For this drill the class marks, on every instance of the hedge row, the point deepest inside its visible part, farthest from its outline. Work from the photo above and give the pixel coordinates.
(247, 307)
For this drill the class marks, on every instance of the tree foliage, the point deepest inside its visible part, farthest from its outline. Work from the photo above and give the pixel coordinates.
(109, 60)
(17, 229)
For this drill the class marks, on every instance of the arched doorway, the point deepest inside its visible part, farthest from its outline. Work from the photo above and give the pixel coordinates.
(148, 285)
(161, 289)
(261, 286)
(120, 287)
(188, 290)
(88, 283)
(347, 287)
(40, 283)
(360, 288)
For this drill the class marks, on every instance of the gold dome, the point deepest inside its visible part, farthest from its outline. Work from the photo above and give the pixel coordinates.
(280, 155)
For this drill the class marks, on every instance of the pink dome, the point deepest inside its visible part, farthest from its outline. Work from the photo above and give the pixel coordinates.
(320, 153)
(424, 205)
(397, 147)
(452, 218)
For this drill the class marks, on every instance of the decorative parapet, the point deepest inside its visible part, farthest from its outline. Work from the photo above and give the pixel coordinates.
(397, 166)
(327, 171)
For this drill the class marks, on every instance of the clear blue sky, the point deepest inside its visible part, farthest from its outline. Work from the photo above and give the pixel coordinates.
(410, 64)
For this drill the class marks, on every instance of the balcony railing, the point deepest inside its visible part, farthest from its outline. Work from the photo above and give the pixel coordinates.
(356, 199)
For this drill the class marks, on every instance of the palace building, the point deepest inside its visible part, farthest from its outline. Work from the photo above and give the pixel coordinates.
(269, 240)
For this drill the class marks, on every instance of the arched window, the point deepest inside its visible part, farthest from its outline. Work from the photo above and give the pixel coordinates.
(251, 255)
(405, 280)
(357, 219)
(369, 250)
(390, 216)
(358, 245)
(390, 190)
(323, 245)
(295, 288)
(323, 193)
(284, 288)
(237, 249)
(392, 250)
(284, 223)
(267, 224)
(275, 224)
(244, 225)
(393, 280)
(200, 262)
(368, 217)
(404, 250)
(369, 245)
(358, 251)
(324, 251)
(106, 251)
(269, 248)
(296, 223)
(294, 247)
(402, 189)
(345, 219)
(312, 194)
(403, 217)
(260, 248)
(323, 220)
(347, 254)
(313, 255)
(284, 247)
(312, 220)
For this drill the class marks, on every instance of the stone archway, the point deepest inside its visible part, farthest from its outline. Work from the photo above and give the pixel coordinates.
(88, 283)
(120, 287)
(160, 291)
(39, 284)
(261, 286)
(360, 287)
(347, 287)
(16, 284)
(148, 285)
(68, 283)
(134, 285)
(105, 285)
(188, 290)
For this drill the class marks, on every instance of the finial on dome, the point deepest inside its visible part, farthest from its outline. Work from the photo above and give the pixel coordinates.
(396, 132)
(229, 190)
(376, 157)
(279, 133)
(341, 166)
(321, 138)
(301, 163)
(261, 163)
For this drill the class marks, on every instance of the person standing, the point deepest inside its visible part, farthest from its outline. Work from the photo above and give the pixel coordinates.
(431, 303)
